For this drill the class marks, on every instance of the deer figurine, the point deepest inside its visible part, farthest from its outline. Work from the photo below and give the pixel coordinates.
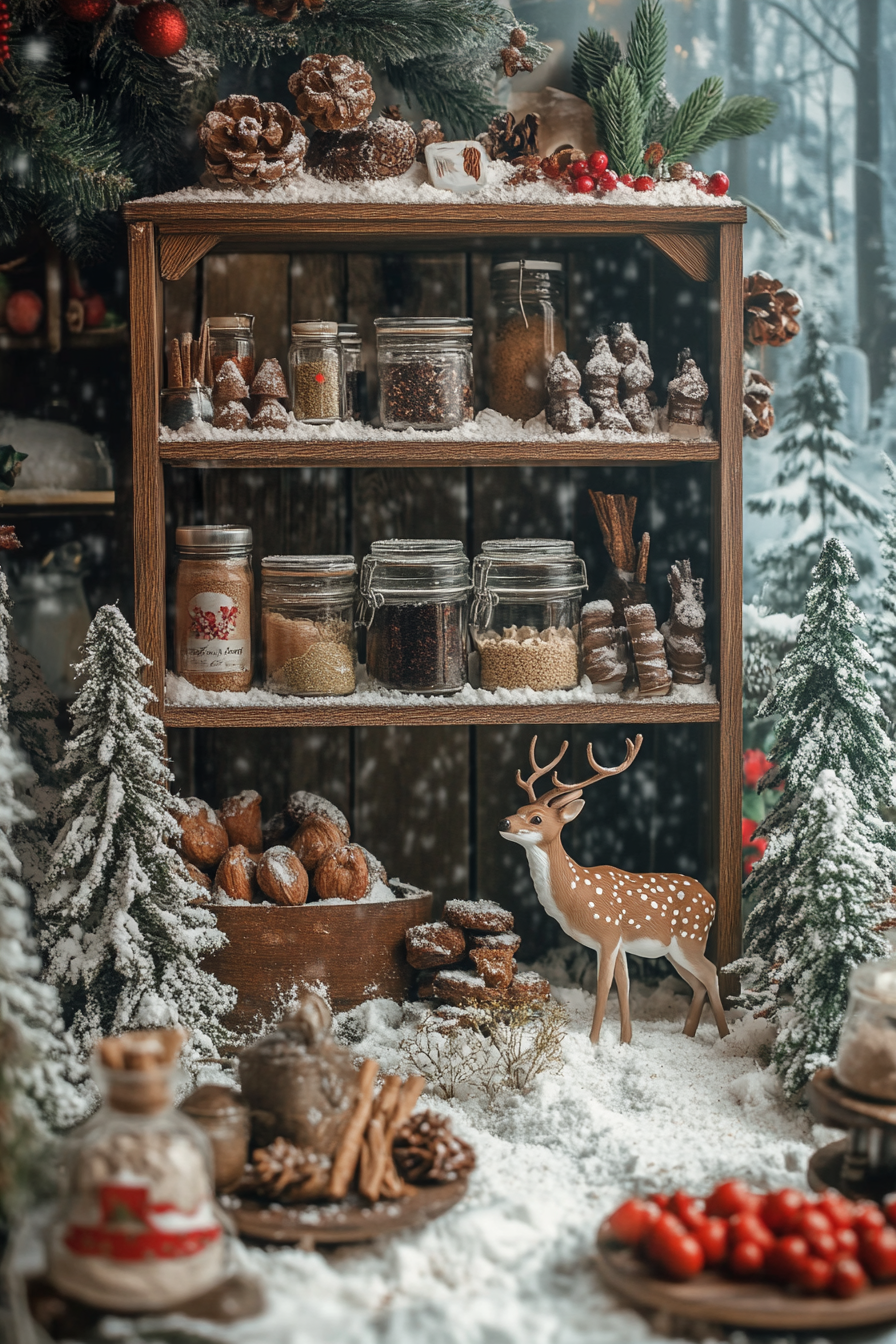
(648, 914)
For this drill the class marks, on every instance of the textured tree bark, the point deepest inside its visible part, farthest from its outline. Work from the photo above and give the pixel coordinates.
(740, 52)
(877, 331)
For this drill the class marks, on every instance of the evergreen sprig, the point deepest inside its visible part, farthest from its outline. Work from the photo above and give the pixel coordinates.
(646, 54)
(620, 113)
(744, 114)
(596, 54)
(690, 121)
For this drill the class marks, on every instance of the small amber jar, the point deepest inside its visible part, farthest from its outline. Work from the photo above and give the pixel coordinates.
(231, 338)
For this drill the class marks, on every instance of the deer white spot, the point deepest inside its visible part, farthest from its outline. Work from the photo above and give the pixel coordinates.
(653, 906)
(684, 921)
(608, 918)
(590, 905)
(631, 921)
(688, 908)
(643, 896)
(675, 912)
(647, 917)
(599, 891)
(587, 881)
(685, 884)
(659, 888)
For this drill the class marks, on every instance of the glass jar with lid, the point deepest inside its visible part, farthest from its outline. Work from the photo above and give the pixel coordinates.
(356, 405)
(307, 624)
(213, 606)
(866, 1056)
(425, 368)
(415, 596)
(526, 610)
(529, 299)
(316, 377)
(231, 338)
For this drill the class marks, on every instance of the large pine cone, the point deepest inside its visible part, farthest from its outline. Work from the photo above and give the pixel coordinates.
(427, 1152)
(252, 144)
(770, 311)
(382, 148)
(334, 93)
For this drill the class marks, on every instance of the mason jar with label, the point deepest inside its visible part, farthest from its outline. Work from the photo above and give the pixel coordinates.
(231, 338)
(529, 301)
(526, 613)
(213, 602)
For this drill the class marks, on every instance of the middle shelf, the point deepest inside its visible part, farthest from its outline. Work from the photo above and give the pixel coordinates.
(435, 714)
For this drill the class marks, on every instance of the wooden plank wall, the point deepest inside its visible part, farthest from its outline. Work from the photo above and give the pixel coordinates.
(427, 800)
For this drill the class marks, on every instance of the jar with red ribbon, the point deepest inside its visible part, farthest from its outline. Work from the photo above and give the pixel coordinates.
(316, 373)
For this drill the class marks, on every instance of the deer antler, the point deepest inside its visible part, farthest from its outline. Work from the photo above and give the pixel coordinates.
(600, 771)
(538, 771)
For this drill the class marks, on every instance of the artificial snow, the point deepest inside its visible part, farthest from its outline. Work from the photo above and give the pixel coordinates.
(414, 188)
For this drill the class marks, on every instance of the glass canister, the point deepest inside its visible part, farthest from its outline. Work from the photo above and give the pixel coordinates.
(138, 1228)
(529, 298)
(356, 403)
(316, 378)
(866, 1056)
(182, 405)
(307, 624)
(223, 1117)
(231, 338)
(213, 607)
(425, 367)
(526, 611)
(415, 596)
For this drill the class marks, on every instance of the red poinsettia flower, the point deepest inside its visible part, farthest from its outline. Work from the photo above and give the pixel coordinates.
(756, 763)
(754, 846)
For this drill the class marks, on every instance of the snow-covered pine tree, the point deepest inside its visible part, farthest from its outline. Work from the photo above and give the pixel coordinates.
(121, 937)
(829, 719)
(811, 493)
(883, 623)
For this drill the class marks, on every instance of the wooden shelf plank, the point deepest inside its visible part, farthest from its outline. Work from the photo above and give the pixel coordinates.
(56, 502)
(438, 712)
(438, 453)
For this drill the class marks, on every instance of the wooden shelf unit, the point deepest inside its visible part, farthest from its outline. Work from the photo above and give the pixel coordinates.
(167, 238)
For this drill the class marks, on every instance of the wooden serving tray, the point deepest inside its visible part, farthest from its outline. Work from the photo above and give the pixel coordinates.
(758, 1306)
(351, 1220)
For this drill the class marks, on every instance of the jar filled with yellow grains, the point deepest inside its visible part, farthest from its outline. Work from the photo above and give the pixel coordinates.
(307, 624)
(529, 299)
(213, 607)
(316, 377)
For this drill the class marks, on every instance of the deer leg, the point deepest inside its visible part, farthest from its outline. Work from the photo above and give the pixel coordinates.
(625, 1019)
(605, 967)
(703, 968)
(692, 1020)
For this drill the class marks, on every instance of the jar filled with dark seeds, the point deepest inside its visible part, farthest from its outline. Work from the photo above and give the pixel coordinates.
(316, 379)
(415, 596)
(425, 367)
(356, 405)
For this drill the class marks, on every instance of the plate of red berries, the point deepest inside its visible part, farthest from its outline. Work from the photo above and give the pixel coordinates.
(782, 1260)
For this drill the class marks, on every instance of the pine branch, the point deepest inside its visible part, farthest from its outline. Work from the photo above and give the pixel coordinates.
(662, 110)
(461, 105)
(622, 117)
(691, 120)
(741, 115)
(646, 53)
(596, 55)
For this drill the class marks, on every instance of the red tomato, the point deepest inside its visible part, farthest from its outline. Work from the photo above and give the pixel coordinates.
(662, 1201)
(786, 1258)
(731, 1197)
(825, 1246)
(849, 1278)
(633, 1220)
(745, 1259)
(877, 1253)
(627, 180)
(848, 1242)
(584, 183)
(688, 1209)
(579, 168)
(781, 1211)
(866, 1216)
(837, 1208)
(890, 1209)
(681, 1256)
(712, 1235)
(597, 163)
(644, 183)
(749, 1227)
(812, 1221)
(814, 1276)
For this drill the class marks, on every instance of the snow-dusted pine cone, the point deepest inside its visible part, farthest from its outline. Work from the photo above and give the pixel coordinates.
(287, 1173)
(427, 1152)
(286, 10)
(334, 93)
(252, 144)
(382, 148)
(770, 311)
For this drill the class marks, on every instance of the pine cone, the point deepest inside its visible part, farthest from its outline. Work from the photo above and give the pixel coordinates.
(430, 133)
(289, 1174)
(769, 310)
(427, 1152)
(252, 144)
(380, 149)
(334, 93)
(506, 138)
(286, 10)
(759, 415)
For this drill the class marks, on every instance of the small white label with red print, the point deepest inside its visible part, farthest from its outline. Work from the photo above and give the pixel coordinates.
(218, 636)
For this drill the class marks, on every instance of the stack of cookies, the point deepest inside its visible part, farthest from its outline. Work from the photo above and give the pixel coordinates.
(468, 958)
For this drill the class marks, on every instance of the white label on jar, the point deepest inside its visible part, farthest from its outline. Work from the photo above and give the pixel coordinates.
(218, 636)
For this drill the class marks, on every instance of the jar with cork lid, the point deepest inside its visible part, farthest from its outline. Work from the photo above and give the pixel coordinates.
(316, 373)
(231, 338)
(213, 606)
(528, 296)
(307, 624)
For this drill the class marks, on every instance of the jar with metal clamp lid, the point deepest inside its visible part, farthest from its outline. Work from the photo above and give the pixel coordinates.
(307, 624)
(526, 612)
(529, 332)
(414, 603)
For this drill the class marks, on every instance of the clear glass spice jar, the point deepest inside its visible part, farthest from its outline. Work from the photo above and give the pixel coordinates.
(866, 1056)
(529, 332)
(138, 1228)
(231, 338)
(415, 596)
(526, 612)
(181, 405)
(425, 367)
(316, 377)
(307, 624)
(356, 403)
(213, 607)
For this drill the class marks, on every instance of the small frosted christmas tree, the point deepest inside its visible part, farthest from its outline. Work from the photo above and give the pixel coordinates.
(883, 625)
(830, 722)
(122, 939)
(811, 494)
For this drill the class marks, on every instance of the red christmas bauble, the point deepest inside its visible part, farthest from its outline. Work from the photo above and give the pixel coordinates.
(85, 11)
(24, 310)
(160, 29)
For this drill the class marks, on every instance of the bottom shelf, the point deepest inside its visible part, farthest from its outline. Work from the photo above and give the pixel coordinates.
(438, 712)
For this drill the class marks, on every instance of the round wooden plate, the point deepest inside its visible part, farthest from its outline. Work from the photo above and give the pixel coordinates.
(758, 1306)
(310, 1225)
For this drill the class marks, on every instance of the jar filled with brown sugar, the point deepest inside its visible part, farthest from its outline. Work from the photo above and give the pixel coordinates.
(231, 338)
(307, 624)
(213, 601)
(529, 299)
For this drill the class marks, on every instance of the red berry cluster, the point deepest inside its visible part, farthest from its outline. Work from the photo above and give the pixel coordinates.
(5, 27)
(714, 185)
(828, 1245)
(594, 175)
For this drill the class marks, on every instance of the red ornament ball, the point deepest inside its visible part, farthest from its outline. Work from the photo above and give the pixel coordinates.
(718, 184)
(24, 310)
(643, 183)
(160, 29)
(85, 11)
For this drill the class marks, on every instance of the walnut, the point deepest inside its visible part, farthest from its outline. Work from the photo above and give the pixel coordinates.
(236, 874)
(281, 876)
(203, 840)
(241, 818)
(196, 875)
(315, 839)
(343, 875)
